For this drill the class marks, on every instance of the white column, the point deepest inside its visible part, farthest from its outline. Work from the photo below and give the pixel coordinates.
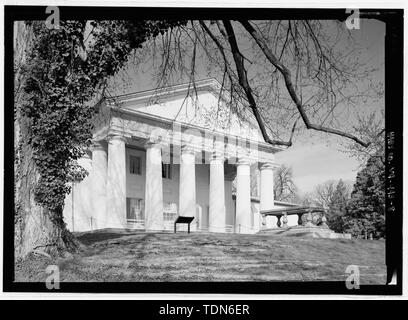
(154, 188)
(243, 198)
(266, 194)
(217, 194)
(187, 189)
(267, 199)
(98, 182)
(116, 183)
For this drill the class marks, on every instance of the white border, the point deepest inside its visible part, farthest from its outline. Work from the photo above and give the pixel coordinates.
(217, 4)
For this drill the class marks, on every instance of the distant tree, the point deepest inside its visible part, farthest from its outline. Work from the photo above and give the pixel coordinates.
(284, 187)
(370, 126)
(366, 208)
(337, 207)
(307, 199)
(324, 193)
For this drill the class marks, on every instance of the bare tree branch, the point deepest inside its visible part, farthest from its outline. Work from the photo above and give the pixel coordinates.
(289, 84)
(220, 48)
(243, 81)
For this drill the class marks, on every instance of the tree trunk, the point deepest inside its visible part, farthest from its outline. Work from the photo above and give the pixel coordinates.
(34, 228)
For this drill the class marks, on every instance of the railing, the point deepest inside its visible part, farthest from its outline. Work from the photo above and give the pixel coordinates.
(301, 212)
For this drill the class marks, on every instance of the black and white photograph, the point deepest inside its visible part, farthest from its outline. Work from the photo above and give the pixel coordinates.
(202, 150)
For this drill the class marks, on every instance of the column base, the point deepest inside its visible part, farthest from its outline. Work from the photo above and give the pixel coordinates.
(215, 229)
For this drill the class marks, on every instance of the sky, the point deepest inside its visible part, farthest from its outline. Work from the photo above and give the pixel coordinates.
(313, 164)
(314, 157)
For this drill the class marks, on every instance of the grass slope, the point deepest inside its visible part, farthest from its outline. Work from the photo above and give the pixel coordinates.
(211, 257)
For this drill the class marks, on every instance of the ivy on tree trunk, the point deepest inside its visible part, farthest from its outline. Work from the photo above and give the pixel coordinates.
(60, 76)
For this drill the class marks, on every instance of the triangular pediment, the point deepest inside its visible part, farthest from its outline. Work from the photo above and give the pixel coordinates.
(205, 106)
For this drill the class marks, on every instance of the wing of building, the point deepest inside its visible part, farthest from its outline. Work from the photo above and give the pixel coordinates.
(161, 154)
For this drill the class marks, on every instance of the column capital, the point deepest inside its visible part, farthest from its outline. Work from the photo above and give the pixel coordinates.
(218, 145)
(157, 138)
(116, 137)
(217, 155)
(99, 145)
(243, 161)
(150, 143)
(267, 165)
(218, 150)
(187, 148)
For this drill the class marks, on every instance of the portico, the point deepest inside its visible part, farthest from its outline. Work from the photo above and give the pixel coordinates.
(148, 169)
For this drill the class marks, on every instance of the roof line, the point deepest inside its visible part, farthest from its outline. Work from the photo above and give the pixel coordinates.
(166, 88)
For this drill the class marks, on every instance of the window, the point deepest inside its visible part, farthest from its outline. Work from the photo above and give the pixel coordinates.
(134, 210)
(166, 170)
(169, 212)
(169, 216)
(135, 165)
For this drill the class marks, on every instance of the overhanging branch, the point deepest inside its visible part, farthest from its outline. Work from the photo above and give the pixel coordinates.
(289, 84)
(243, 81)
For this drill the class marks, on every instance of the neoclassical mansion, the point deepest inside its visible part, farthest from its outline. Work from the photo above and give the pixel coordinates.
(160, 154)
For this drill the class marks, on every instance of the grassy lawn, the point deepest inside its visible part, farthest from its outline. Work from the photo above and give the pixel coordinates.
(211, 257)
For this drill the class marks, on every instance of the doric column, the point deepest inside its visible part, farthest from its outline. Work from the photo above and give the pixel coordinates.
(98, 183)
(217, 194)
(154, 188)
(266, 192)
(116, 183)
(243, 198)
(187, 189)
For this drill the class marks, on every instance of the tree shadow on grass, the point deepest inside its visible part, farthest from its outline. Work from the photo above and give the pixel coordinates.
(94, 237)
